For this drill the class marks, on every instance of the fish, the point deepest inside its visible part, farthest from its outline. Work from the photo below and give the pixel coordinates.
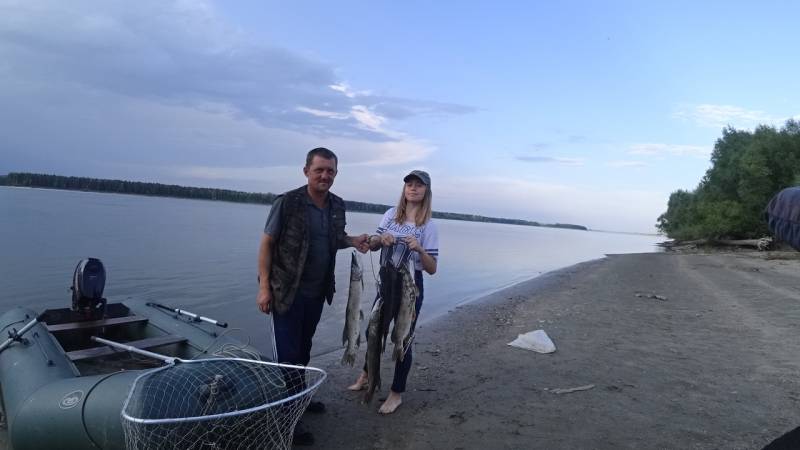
(401, 333)
(374, 350)
(351, 335)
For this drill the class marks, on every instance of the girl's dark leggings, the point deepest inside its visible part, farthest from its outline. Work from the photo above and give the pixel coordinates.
(402, 368)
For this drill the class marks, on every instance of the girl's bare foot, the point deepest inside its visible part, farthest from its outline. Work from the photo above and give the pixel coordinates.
(392, 402)
(360, 384)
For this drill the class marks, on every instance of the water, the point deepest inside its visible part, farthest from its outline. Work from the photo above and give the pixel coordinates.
(202, 256)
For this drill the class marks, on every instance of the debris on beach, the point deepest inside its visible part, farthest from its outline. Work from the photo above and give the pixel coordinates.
(569, 390)
(655, 296)
(537, 341)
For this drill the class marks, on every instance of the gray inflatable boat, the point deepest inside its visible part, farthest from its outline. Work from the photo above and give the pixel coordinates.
(62, 388)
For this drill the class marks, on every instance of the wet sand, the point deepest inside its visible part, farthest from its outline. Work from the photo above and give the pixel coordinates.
(713, 362)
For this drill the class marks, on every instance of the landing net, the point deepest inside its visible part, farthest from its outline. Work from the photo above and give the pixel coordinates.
(224, 403)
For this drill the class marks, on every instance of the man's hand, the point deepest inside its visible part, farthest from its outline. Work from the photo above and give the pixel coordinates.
(264, 299)
(387, 239)
(264, 296)
(361, 242)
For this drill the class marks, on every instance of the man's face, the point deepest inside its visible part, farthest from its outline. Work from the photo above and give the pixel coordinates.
(320, 174)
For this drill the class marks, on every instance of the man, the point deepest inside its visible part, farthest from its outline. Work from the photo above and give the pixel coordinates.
(296, 261)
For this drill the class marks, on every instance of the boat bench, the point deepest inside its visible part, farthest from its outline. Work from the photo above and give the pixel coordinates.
(96, 352)
(70, 326)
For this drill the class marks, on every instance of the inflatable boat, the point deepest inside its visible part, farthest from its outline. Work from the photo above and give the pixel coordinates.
(66, 373)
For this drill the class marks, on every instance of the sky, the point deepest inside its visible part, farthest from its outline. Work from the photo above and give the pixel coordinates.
(579, 112)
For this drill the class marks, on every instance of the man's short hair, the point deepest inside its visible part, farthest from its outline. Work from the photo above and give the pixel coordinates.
(322, 152)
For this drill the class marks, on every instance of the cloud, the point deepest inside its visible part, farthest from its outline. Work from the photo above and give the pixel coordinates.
(576, 138)
(551, 159)
(320, 113)
(696, 151)
(538, 146)
(398, 108)
(593, 206)
(622, 164)
(169, 84)
(401, 108)
(718, 116)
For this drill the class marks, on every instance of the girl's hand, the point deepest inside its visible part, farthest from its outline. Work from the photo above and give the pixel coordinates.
(413, 244)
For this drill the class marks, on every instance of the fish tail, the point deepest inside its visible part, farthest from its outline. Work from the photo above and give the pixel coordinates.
(370, 392)
(373, 386)
(348, 359)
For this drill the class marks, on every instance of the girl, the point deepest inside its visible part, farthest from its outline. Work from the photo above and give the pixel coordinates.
(408, 223)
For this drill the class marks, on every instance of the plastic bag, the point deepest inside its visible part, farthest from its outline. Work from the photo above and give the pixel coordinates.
(537, 341)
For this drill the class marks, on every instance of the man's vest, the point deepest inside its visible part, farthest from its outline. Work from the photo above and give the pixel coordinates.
(291, 249)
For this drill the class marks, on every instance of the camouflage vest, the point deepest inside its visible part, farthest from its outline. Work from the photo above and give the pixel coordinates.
(291, 249)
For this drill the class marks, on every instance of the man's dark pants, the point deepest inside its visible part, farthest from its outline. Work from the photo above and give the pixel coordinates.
(295, 329)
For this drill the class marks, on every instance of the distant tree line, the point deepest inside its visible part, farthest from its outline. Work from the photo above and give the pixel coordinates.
(170, 190)
(747, 169)
(133, 187)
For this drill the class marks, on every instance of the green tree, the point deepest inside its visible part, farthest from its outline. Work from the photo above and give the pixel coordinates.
(747, 169)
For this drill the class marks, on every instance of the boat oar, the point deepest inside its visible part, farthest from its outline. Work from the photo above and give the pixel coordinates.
(15, 335)
(195, 317)
(132, 349)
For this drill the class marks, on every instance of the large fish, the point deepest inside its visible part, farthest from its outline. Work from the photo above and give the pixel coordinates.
(374, 350)
(351, 335)
(401, 333)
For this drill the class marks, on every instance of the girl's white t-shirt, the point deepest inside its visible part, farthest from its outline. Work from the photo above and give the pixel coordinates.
(427, 235)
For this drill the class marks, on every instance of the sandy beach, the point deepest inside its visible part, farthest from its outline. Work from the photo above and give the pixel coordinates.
(672, 351)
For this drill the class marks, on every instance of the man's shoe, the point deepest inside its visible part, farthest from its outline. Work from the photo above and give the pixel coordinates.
(316, 407)
(302, 436)
(303, 439)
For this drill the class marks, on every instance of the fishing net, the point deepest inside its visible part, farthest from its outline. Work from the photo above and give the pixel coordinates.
(224, 403)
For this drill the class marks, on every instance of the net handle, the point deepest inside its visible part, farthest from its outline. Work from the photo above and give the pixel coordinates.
(132, 349)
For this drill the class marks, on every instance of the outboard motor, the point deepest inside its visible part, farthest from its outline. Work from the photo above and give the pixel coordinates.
(88, 283)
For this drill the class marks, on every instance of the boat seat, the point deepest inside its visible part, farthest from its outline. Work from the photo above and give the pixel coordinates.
(104, 350)
(95, 323)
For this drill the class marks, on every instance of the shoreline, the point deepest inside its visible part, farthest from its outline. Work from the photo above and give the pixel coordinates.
(711, 366)
(488, 296)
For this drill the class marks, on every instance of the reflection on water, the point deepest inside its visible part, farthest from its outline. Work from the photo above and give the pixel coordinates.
(201, 256)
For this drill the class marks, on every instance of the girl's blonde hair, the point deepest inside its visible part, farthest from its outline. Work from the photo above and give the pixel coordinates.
(423, 214)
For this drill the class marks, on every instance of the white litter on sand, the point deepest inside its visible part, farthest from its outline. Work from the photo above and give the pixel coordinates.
(575, 389)
(537, 341)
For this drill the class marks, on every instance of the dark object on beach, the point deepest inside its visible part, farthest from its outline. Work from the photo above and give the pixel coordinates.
(783, 216)
(788, 441)
(760, 244)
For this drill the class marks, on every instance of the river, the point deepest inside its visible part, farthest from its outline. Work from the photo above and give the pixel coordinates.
(201, 256)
